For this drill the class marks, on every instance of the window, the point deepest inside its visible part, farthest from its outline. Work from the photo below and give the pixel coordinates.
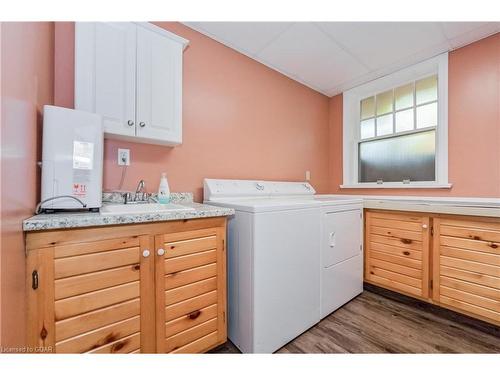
(395, 129)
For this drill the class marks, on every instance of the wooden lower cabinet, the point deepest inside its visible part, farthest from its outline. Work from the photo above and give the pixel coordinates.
(452, 261)
(397, 252)
(191, 311)
(466, 266)
(145, 288)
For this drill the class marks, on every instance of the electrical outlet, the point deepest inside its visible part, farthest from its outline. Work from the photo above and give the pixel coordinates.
(308, 176)
(123, 156)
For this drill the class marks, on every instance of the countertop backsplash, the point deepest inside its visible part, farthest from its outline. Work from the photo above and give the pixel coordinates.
(117, 197)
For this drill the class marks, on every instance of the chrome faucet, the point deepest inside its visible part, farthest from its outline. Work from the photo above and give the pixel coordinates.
(141, 187)
(140, 195)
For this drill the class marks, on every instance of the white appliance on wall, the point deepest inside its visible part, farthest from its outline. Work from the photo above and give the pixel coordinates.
(278, 258)
(131, 74)
(72, 159)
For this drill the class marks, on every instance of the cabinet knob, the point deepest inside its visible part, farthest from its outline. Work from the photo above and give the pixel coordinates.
(142, 124)
(161, 252)
(424, 226)
(145, 253)
(130, 123)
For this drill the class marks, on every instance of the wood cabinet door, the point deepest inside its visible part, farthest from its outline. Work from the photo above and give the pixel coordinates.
(191, 290)
(105, 73)
(159, 87)
(92, 296)
(466, 266)
(397, 252)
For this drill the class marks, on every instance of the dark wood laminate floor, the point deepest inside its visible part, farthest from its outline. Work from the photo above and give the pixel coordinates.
(391, 323)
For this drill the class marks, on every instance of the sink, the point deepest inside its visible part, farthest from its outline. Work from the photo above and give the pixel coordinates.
(145, 208)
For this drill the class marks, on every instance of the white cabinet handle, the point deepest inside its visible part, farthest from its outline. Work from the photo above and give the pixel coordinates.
(161, 252)
(424, 226)
(145, 253)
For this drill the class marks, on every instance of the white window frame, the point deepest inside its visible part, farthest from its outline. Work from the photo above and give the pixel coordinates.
(351, 123)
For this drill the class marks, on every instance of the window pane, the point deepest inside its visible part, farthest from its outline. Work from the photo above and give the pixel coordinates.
(426, 89)
(384, 125)
(404, 120)
(427, 115)
(367, 128)
(403, 96)
(384, 103)
(368, 108)
(407, 157)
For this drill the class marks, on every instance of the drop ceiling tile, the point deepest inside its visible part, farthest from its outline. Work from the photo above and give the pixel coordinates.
(388, 69)
(247, 37)
(306, 52)
(454, 29)
(462, 33)
(378, 44)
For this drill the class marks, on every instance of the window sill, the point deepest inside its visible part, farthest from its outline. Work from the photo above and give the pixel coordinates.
(396, 185)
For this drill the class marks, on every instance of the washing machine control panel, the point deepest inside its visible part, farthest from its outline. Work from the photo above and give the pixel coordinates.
(242, 188)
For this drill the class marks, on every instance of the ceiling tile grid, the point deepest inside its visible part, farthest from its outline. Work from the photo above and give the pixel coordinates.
(331, 57)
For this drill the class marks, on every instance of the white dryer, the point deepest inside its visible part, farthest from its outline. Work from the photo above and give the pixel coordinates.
(273, 257)
(341, 251)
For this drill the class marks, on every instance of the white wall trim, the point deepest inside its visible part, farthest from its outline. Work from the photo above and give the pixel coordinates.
(351, 99)
(397, 185)
(162, 31)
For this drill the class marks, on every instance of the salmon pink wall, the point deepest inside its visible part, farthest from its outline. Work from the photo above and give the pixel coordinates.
(27, 70)
(240, 120)
(473, 127)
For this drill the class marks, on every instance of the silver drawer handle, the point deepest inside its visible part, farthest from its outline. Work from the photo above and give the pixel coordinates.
(142, 124)
(145, 253)
(161, 252)
(130, 123)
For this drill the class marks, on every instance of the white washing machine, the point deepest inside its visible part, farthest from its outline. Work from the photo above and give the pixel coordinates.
(289, 259)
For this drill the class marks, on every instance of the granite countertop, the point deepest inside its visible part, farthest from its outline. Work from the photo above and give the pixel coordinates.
(90, 219)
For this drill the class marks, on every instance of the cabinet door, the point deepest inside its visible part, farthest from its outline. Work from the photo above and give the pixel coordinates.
(190, 291)
(105, 73)
(92, 297)
(397, 252)
(159, 88)
(466, 267)
(341, 236)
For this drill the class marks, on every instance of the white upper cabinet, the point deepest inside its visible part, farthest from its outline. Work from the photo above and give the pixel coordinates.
(159, 86)
(131, 74)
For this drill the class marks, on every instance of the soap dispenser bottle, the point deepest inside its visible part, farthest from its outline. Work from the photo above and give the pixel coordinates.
(163, 190)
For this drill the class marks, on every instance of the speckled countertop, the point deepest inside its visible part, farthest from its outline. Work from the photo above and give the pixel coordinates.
(90, 219)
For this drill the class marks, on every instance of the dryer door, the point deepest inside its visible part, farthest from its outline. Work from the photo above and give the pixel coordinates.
(341, 236)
